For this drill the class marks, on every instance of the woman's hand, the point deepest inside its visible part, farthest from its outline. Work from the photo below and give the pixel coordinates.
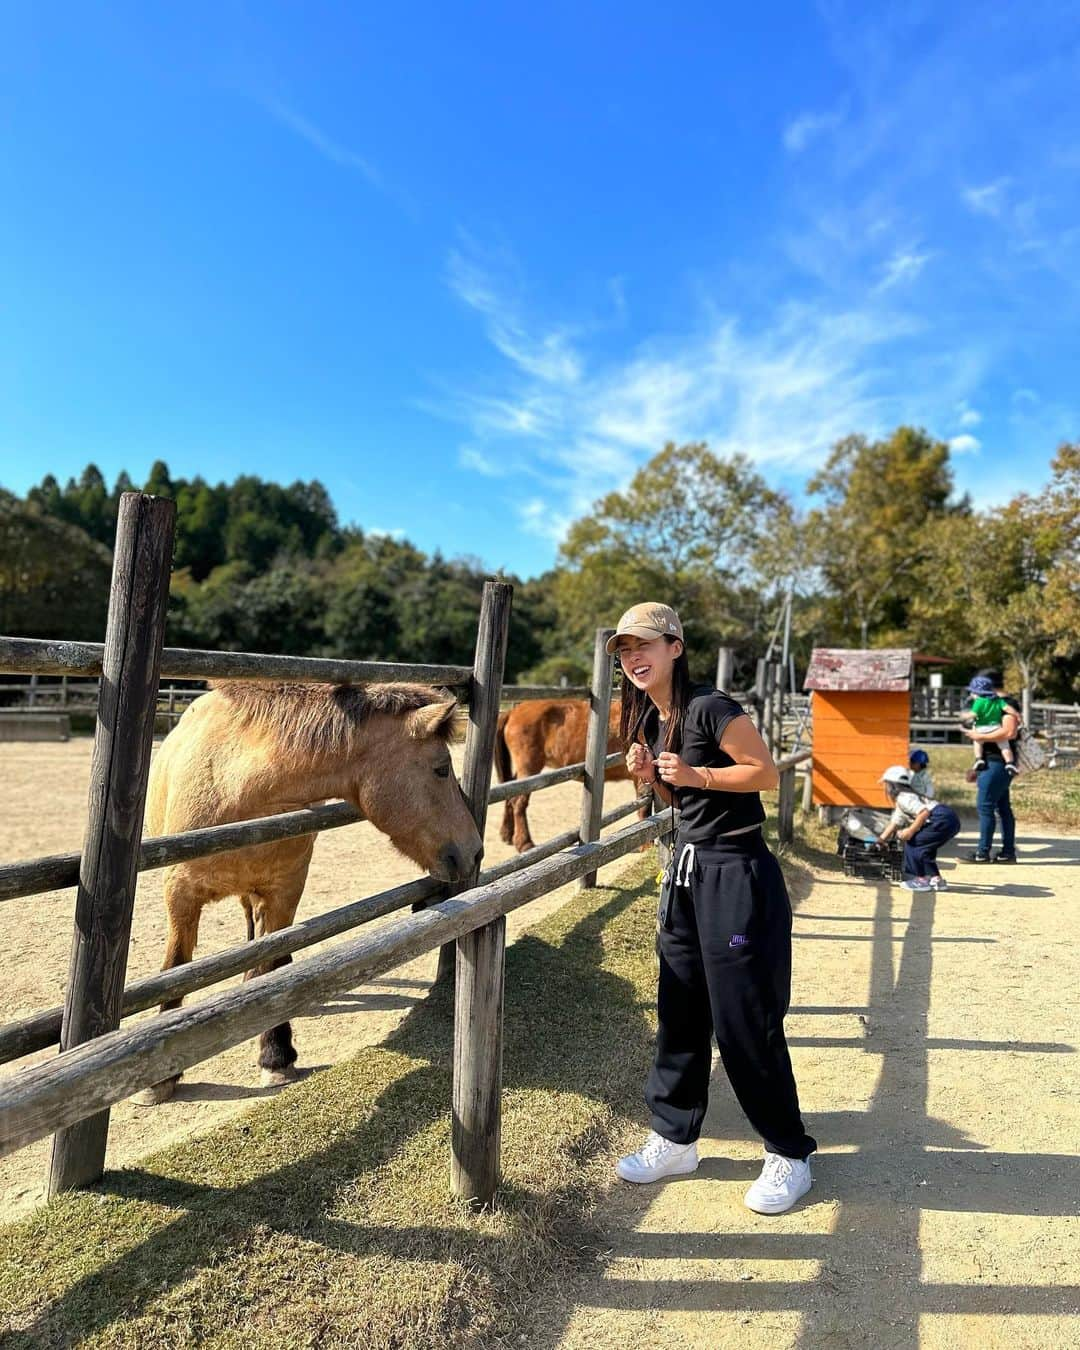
(640, 763)
(905, 835)
(674, 771)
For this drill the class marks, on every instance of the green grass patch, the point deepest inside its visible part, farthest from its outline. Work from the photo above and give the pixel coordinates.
(1050, 797)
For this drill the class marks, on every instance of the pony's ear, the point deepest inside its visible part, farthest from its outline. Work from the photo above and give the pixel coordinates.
(436, 719)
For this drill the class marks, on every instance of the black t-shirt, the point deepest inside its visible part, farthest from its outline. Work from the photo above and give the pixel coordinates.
(991, 750)
(704, 813)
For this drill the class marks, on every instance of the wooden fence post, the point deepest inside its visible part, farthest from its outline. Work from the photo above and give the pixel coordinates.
(596, 748)
(725, 667)
(123, 736)
(785, 825)
(808, 788)
(478, 991)
(760, 682)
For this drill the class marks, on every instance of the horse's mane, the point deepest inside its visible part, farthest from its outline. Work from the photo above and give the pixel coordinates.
(317, 719)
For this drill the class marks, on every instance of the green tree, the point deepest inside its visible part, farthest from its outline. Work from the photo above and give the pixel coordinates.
(1004, 586)
(879, 499)
(54, 579)
(698, 531)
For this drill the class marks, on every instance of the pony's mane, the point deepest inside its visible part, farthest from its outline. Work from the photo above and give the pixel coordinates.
(319, 719)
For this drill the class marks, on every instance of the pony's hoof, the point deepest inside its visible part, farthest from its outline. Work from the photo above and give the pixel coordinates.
(277, 1077)
(155, 1095)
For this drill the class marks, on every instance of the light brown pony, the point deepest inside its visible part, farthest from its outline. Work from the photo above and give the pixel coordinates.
(550, 733)
(252, 749)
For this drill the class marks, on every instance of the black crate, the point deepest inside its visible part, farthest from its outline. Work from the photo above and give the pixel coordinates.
(861, 860)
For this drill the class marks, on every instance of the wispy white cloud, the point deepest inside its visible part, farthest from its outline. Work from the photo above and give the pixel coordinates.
(471, 458)
(396, 533)
(966, 415)
(538, 518)
(549, 355)
(988, 199)
(904, 265)
(964, 444)
(808, 127)
(318, 139)
(782, 393)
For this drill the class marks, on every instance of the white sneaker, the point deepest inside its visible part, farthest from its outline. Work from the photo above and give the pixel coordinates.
(656, 1158)
(782, 1182)
(938, 884)
(919, 884)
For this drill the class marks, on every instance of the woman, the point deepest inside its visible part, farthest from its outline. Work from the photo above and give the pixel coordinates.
(994, 782)
(725, 939)
(923, 824)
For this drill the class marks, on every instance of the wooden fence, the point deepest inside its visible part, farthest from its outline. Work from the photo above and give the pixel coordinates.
(103, 1062)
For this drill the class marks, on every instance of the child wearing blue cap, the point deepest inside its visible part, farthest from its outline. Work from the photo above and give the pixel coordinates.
(921, 780)
(987, 713)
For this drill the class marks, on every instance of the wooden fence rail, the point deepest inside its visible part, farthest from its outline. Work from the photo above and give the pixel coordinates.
(24, 656)
(65, 1090)
(42, 1029)
(36, 875)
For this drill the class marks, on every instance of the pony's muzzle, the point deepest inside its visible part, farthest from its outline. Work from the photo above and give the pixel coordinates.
(454, 865)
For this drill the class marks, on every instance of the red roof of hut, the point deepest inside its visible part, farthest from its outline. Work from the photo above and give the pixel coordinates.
(887, 669)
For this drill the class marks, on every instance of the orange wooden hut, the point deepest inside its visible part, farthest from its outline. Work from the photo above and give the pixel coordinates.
(862, 717)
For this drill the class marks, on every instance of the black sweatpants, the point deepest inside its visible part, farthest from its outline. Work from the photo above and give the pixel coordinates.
(725, 967)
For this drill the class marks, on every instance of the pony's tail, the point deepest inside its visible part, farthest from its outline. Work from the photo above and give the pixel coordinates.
(503, 765)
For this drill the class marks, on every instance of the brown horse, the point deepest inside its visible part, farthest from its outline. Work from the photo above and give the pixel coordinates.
(548, 733)
(251, 749)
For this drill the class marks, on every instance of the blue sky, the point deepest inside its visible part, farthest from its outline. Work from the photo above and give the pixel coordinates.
(471, 265)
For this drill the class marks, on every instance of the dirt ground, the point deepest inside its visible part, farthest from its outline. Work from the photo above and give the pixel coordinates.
(43, 793)
(934, 1041)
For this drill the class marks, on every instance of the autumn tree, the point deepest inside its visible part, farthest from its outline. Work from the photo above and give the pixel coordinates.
(879, 499)
(1004, 586)
(701, 532)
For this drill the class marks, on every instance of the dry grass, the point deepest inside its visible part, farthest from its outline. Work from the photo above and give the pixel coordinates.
(322, 1216)
(1049, 797)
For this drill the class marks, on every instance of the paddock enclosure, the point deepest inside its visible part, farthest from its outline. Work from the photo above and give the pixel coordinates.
(69, 1096)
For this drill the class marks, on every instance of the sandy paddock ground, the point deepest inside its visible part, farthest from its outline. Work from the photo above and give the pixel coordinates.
(43, 793)
(934, 1039)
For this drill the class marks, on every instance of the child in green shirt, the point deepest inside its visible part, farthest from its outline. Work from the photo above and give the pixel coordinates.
(987, 714)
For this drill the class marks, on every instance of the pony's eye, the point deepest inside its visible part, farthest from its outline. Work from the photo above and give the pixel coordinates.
(443, 771)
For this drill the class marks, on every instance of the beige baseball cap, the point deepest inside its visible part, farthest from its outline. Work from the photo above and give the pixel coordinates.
(650, 620)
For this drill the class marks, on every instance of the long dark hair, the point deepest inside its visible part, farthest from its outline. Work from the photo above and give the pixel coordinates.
(636, 704)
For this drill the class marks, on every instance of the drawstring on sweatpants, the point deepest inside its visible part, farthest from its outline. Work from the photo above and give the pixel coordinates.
(685, 866)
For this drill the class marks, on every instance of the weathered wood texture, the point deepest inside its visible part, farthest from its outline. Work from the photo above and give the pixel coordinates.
(34, 724)
(725, 668)
(596, 743)
(885, 669)
(42, 1029)
(93, 1076)
(55, 657)
(518, 693)
(62, 869)
(138, 599)
(478, 1056)
(478, 1029)
(785, 809)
